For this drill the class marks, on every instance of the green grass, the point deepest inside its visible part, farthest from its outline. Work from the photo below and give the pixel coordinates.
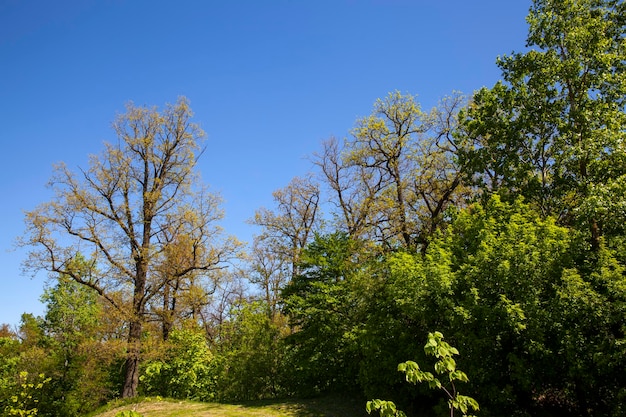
(321, 407)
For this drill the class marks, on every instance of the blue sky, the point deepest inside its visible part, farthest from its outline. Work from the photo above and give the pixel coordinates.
(268, 80)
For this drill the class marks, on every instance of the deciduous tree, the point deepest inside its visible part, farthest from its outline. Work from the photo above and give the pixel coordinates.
(553, 129)
(394, 178)
(288, 228)
(324, 304)
(116, 211)
(269, 271)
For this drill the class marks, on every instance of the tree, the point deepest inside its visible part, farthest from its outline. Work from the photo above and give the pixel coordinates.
(288, 229)
(24, 367)
(9, 364)
(186, 370)
(73, 340)
(394, 178)
(252, 353)
(324, 307)
(118, 210)
(270, 271)
(184, 294)
(514, 292)
(230, 292)
(82, 351)
(553, 129)
(72, 311)
(353, 191)
(5, 331)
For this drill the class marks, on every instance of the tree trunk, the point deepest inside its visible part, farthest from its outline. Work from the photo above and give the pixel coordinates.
(131, 377)
(166, 325)
(595, 235)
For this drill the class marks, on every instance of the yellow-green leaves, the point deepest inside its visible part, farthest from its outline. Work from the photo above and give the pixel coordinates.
(24, 402)
(398, 172)
(384, 408)
(142, 217)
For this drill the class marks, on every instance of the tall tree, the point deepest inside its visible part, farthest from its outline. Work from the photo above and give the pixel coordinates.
(352, 189)
(269, 271)
(288, 228)
(553, 129)
(140, 186)
(394, 178)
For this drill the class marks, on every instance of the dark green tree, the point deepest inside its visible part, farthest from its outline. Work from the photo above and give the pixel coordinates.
(324, 304)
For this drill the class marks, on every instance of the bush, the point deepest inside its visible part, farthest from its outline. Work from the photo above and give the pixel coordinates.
(187, 370)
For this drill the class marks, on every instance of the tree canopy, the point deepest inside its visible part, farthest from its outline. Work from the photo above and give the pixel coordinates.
(496, 219)
(137, 204)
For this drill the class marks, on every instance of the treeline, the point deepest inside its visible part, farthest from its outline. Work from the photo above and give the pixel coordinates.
(498, 220)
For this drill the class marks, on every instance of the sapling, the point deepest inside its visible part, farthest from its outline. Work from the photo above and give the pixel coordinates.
(445, 365)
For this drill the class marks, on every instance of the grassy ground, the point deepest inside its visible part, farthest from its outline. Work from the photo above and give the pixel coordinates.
(324, 407)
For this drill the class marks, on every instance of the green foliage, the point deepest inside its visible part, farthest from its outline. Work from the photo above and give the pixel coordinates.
(384, 408)
(24, 370)
(529, 282)
(26, 396)
(72, 313)
(553, 130)
(63, 346)
(591, 303)
(445, 365)
(69, 346)
(252, 354)
(187, 370)
(80, 374)
(324, 304)
(9, 361)
(516, 293)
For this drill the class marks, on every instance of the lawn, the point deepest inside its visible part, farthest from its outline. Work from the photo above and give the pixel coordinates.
(322, 407)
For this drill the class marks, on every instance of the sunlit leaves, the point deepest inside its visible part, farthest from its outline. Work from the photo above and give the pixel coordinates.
(138, 206)
(396, 175)
(384, 408)
(553, 130)
(25, 399)
(187, 370)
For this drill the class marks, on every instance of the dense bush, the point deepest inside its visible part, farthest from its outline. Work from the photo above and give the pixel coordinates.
(252, 354)
(187, 369)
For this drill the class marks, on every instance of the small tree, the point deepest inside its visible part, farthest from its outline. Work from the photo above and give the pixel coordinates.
(445, 365)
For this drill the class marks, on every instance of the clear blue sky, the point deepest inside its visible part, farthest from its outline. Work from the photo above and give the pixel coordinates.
(268, 80)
